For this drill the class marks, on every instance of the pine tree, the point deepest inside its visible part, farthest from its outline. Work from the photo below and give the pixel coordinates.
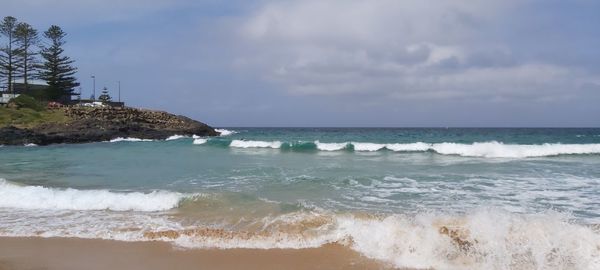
(8, 52)
(57, 69)
(27, 38)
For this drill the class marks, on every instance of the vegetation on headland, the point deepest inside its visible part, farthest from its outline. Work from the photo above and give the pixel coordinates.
(27, 112)
(30, 118)
(79, 124)
(24, 56)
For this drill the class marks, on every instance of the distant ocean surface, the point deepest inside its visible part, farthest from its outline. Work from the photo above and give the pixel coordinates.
(414, 197)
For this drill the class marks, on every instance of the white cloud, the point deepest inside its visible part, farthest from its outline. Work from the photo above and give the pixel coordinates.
(412, 49)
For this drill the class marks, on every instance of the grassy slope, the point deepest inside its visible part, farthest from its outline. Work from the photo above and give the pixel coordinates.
(28, 118)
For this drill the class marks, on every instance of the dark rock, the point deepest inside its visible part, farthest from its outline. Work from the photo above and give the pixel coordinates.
(103, 124)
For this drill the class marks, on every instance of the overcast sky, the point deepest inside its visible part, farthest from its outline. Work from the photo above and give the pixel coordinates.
(339, 63)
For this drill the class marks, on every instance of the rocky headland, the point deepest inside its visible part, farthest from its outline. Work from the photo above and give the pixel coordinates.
(85, 124)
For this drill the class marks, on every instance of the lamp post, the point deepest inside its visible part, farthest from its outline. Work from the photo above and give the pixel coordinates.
(94, 88)
(119, 91)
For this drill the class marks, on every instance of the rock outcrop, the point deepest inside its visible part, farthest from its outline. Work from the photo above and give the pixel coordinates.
(103, 124)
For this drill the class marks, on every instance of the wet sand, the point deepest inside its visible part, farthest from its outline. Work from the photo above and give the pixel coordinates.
(71, 254)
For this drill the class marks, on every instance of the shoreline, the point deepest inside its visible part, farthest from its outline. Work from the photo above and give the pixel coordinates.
(20, 253)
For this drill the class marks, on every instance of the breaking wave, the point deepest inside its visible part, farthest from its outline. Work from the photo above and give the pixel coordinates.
(255, 144)
(482, 239)
(491, 149)
(225, 132)
(39, 197)
(129, 139)
(175, 137)
(496, 149)
(199, 141)
(331, 146)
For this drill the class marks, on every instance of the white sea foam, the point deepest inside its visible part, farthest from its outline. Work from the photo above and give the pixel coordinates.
(30, 145)
(491, 149)
(225, 132)
(38, 197)
(482, 239)
(497, 149)
(408, 147)
(254, 144)
(330, 146)
(370, 147)
(129, 139)
(175, 137)
(199, 141)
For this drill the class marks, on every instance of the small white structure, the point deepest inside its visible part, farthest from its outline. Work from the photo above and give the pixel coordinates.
(93, 104)
(5, 98)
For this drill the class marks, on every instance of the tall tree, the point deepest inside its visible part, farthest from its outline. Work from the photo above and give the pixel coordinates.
(8, 52)
(57, 69)
(27, 38)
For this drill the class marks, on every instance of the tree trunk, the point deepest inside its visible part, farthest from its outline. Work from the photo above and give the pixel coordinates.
(10, 65)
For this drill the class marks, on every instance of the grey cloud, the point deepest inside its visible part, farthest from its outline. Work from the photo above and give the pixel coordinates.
(400, 49)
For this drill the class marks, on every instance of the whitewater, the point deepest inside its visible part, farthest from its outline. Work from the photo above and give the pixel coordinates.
(415, 198)
(491, 149)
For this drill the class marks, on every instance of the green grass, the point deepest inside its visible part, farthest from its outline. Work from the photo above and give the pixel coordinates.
(28, 118)
(25, 101)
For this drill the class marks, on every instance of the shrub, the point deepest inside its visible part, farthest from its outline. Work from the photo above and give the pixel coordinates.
(25, 101)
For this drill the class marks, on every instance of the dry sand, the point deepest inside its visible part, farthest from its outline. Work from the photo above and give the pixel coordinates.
(70, 253)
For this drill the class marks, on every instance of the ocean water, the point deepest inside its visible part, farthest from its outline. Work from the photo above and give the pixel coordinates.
(423, 198)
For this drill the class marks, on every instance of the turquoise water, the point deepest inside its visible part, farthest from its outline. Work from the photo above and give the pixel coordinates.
(489, 182)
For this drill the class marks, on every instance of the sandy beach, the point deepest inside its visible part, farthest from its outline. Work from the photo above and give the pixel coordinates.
(71, 253)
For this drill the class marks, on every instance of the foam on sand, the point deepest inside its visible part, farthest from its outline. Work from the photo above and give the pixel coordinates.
(481, 239)
(484, 239)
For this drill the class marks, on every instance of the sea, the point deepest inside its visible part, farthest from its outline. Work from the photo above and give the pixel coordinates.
(431, 198)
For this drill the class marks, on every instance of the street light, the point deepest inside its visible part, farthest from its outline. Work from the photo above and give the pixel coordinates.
(119, 91)
(94, 88)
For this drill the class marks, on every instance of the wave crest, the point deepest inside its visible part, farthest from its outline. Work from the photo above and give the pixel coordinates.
(39, 197)
(491, 149)
(225, 132)
(331, 146)
(175, 137)
(199, 141)
(497, 149)
(129, 139)
(255, 144)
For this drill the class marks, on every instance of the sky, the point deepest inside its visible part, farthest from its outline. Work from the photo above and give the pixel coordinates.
(342, 63)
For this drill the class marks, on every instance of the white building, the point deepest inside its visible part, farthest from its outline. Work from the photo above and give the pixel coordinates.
(5, 98)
